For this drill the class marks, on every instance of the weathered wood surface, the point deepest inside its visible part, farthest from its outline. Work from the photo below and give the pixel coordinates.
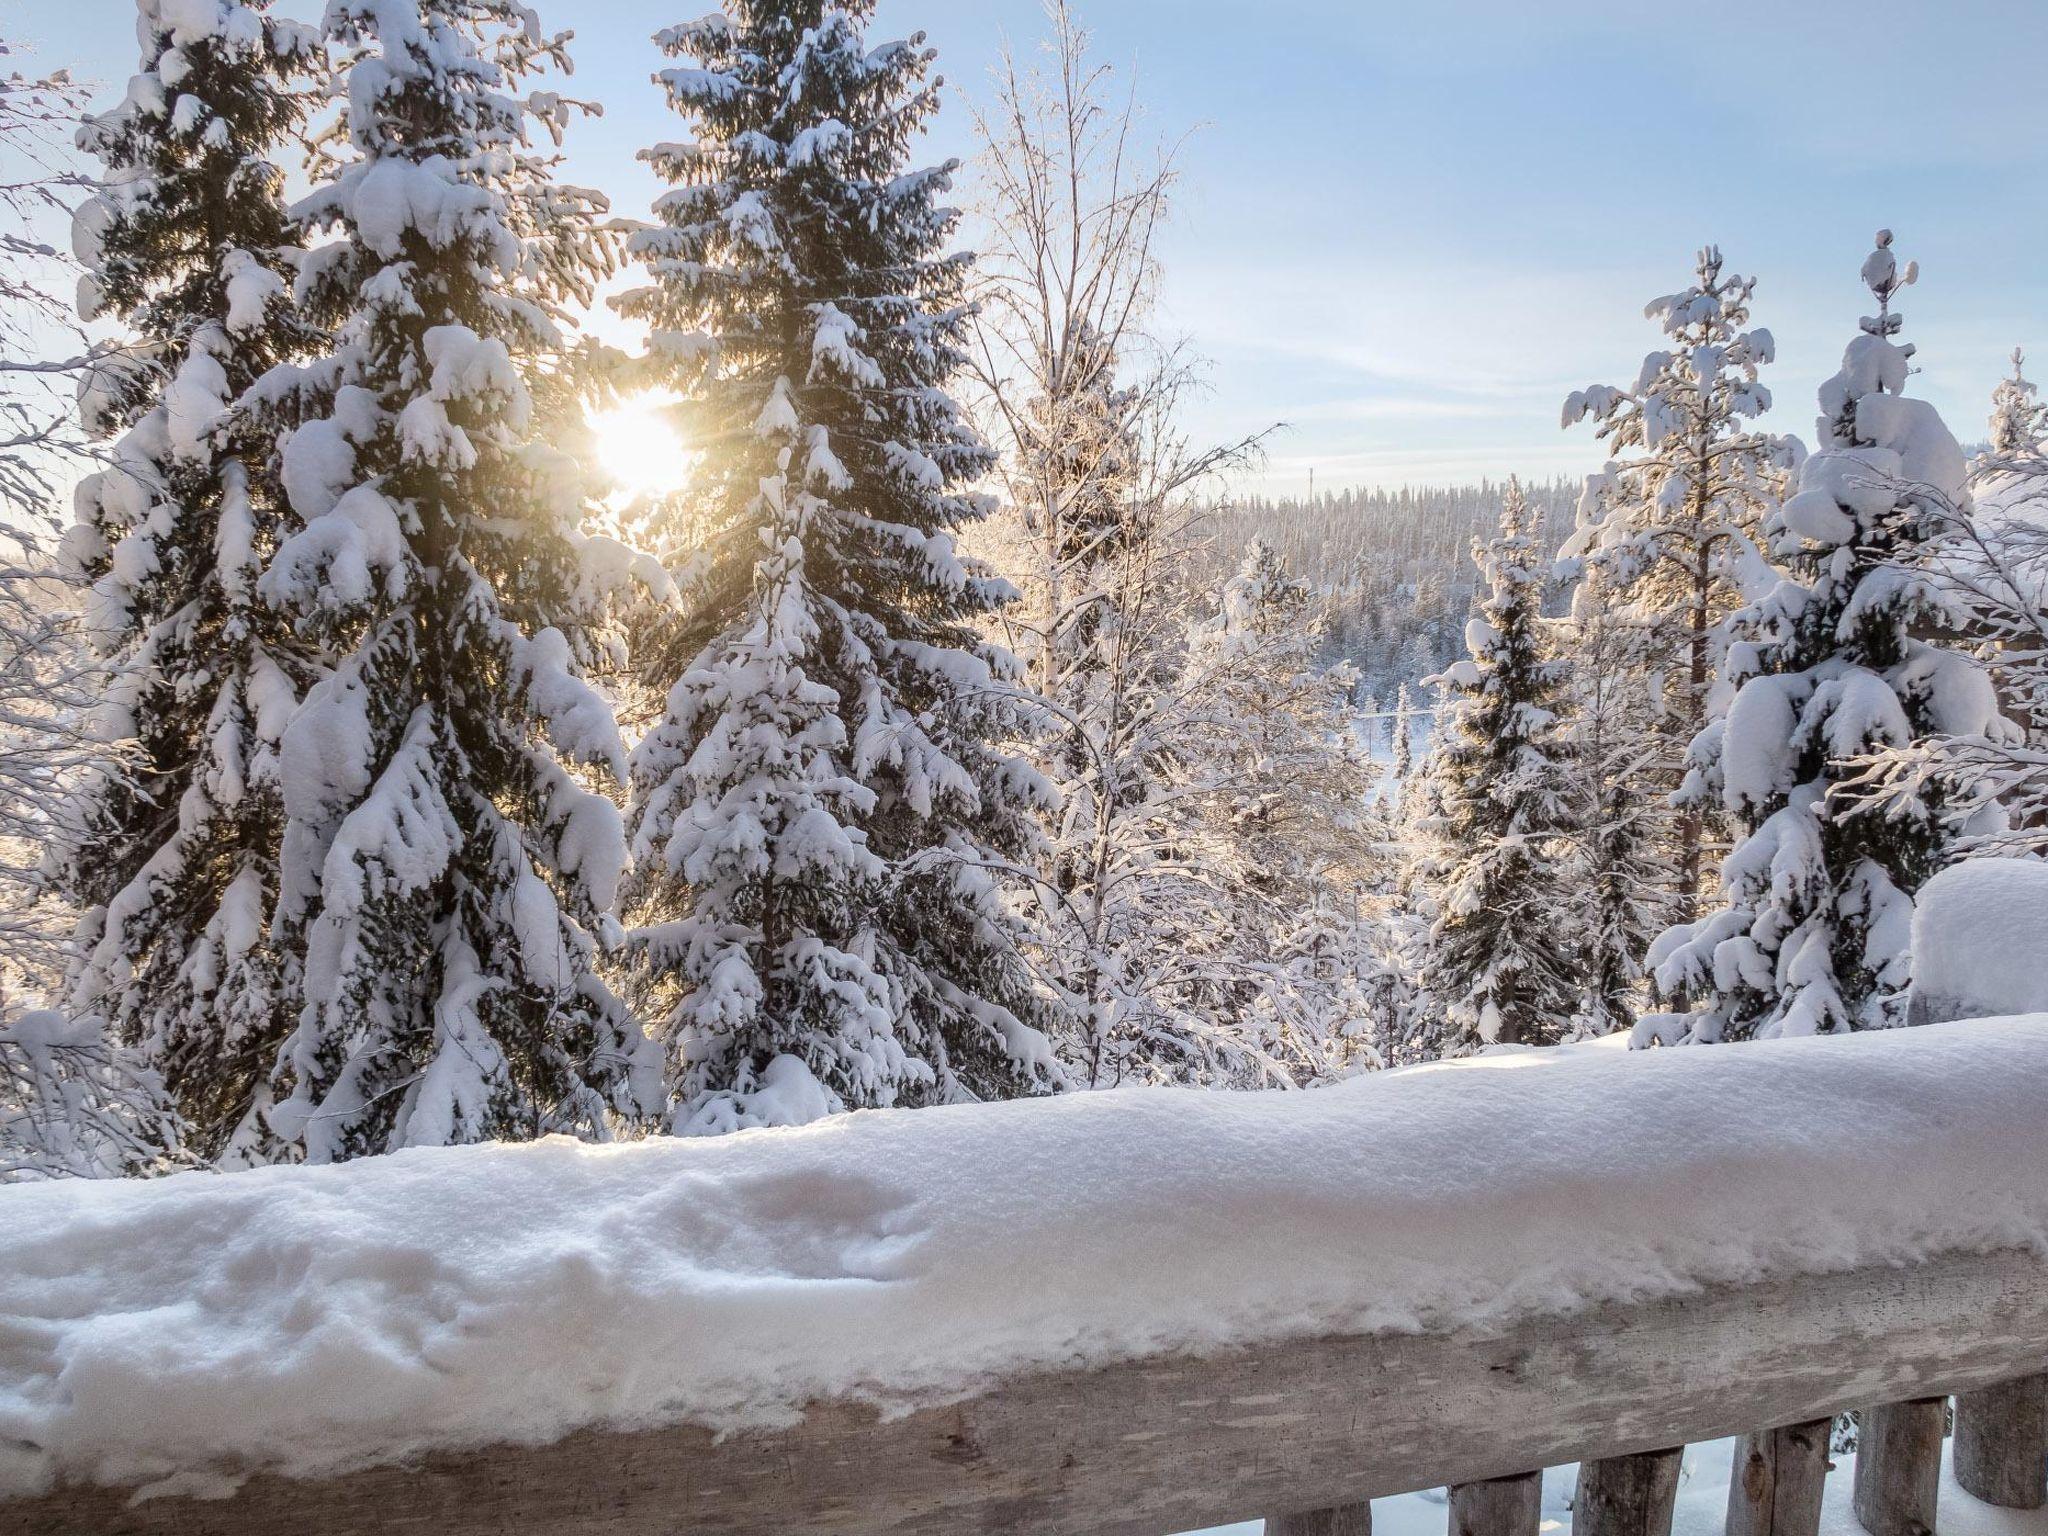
(1627, 1495)
(2001, 1449)
(1350, 1520)
(1898, 1466)
(1174, 1444)
(1498, 1506)
(1778, 1480)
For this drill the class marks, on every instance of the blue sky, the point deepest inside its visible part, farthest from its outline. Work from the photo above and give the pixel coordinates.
(1407, 230)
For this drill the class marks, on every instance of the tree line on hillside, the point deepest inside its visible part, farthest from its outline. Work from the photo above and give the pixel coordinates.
(1392, 569)
(953, 767)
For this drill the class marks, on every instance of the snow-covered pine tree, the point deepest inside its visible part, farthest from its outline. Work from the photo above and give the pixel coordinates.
(445, 860)
(175, 861)
(1671, 526)
(816, 815)
(1814, 934)
(1500, 963)
(2018, 418)
(1423, 658)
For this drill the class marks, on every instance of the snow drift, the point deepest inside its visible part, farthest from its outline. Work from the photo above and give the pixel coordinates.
(185, 1332)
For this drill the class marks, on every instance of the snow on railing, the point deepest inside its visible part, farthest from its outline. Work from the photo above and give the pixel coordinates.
(1135, 1312)
(1980, 941)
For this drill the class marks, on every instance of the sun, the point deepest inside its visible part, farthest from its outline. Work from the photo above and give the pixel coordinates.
(639, 447)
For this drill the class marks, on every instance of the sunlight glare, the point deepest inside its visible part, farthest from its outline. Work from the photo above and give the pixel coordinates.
(639, 447)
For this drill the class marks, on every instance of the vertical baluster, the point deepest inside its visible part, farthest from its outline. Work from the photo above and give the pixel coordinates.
(1346, 1520)
(2002, 1442)
(1898, 1466)
(1779, 1476)
(1500, 1506)
(1627, 1495)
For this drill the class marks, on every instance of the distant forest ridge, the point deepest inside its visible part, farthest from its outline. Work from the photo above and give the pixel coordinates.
(1395, 566)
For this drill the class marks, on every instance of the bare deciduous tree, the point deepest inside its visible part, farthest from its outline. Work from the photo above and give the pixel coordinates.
(71, 1103)
(1150, 932)
(46, 681)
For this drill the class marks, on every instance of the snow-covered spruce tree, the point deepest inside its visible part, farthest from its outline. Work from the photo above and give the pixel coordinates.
(1989, 557)
(444, 861)
(2018, 418)
(1335, 993)
(1814, 933)
(816, 816)
(1500, 964)
(1403, 745)
(1671, 526)
(175, 862)
(1617, 876)
(1420, 862)
(1287, 807)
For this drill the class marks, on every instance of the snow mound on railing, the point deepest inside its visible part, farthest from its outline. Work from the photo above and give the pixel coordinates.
(189, 1331)
(1980, 941)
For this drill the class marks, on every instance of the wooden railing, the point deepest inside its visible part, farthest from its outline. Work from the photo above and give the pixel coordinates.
(1303, 1432)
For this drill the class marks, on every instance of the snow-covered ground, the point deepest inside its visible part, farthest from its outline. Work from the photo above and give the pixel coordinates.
(312, 1319)
(1702, 1504)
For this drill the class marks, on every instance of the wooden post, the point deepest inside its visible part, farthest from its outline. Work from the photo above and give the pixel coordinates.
(1898, 1466)
(1500, 1506)
(1778, 1479)
(2002, 1443)
(1347, 1520)
(1627, 1495)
